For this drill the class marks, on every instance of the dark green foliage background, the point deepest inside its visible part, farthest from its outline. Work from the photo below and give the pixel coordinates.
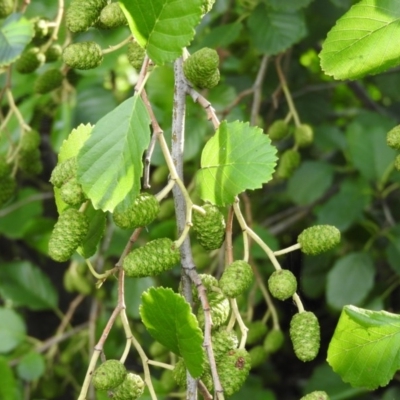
(346, 179)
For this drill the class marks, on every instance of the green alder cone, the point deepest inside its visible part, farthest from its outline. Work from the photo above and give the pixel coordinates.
(29, 61)
(109, 375)
(41, 28)
(282, 284)
(71, 192)
(219, 310)
(236, 278)
(53, 53)
(257, 331)
(82, 14)
(233, 370)
(305, 335)
(258, 356)
(179, 373)
(50, 80)
(83, 55)
(303, 135)
(208, 281)
(288, 162)
(223, 341)
(136, 54)
(278, 130)
(68, 233)
(5, 168)
(318, 239)
(209, 228)
(8, 186)
(397, 163)
(29, 162)
(143, 211)
(201, 68)
(63, 172)
(6, 8)
(130, 389)
(111, 17)
(393, 138)
(152, 259)
(273, 341)
(30, 140)
(317, 395)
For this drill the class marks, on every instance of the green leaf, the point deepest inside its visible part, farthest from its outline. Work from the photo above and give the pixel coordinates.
(238, 157)
(31, 366)
(26, 285)
(27, 206)
(15, 33)
(133, 292)
(309, 182)
(110, 161)
(12, 330)
(223, 35)
(97, 225)
(273, 32)
(393, 250)
(163, 27)
(350, 280)
(69, 149)
(7, 381)
(366, 137)
(169, 320)
(346, 207)
(364, 349)
(363, 41)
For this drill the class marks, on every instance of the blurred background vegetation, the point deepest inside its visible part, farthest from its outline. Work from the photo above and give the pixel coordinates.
(51, 314)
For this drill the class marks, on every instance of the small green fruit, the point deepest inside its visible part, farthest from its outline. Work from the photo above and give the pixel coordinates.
(258, 356)
(136, 54)
(82, 14)
(233, 370)
(68, 234)
(273, 341)
(29, 162)
(53, 53)
(83, 55)
(50, 80)
(5, 168)
(303, 135)
(130, 389)
(111, 17)
(142, 212)
(209, 228)
(30, 60)
(257, 331)
(6, 8)
(109, 375)
(71, 192)
(318, 239)
(288, 162)
(167, 380)
(63, 172)
(219, 310)
(278, 130)
(151, 259)
(393, 138)
(223, 341)
(201, 68)
(7, 189)
(282, 284)
(305, 335)
(236, 278)
(317, 395)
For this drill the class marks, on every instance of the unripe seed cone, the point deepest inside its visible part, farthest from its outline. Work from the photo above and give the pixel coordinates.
(303, 135)
(71, 192)
(219, 309)
(29, 61)
(30, 141)
(317, 395)
(63, 172)
(6, 8)
(136, 54)
(288, 162)
(233, 370)
(273, 341)
(111, 16)
(282, 284)
(83, 55)
(130, 389)
(7, 189)
(68, 233)
(209, 228)
(393, 138)
(53, 53)
(82, 14)
(278, 130)
(142, 212)
(257, 331)
(318, 239)
(305, 335)
(5, 168)
(236, 278)
(223, 341)
(258, 356)
(50, 80)
(109, 375)
(151, 259)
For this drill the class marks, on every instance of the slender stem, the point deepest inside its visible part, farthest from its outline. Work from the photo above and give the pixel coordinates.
(161, 364)
(294, 247)
(16, 111)
(257, 87)
(117, 46)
